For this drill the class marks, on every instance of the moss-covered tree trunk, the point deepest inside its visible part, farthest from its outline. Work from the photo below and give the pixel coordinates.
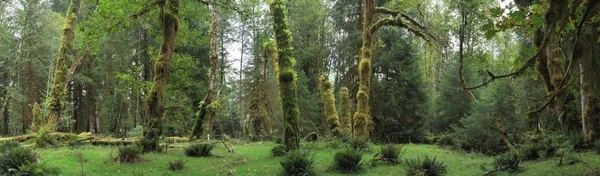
(169, 22)
(58, 90)
(333, 122)
(345, 114)
(362, 118)
(287, 75)
(205, 106)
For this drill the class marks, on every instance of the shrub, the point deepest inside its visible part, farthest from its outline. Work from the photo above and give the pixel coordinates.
(130, 154)
(199, 150)
(347, 161)
(390, 153)
(313, 136)
(445, 140)
(507, 162)
(176, 165)
(45, 139)
(279, 150)
(359, 143)
(17, 160)
(531, 152)
(427, 167)
(297, 163)
(136, 132)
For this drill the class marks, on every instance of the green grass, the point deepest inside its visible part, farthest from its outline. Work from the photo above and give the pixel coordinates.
(256, 159)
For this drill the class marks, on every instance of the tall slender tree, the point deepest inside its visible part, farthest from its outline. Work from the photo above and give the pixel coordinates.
(169, 23)
(287, 75)
(58, 89)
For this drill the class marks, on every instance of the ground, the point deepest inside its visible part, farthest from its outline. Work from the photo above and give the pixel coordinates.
(255, 159)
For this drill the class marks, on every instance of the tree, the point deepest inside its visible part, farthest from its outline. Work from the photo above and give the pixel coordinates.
(331, 115)
(287, 75)
(363, 122)
(58, 90)
(169, 23)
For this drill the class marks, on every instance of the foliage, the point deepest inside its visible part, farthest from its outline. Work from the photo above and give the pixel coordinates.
(279, 150)
(45, 139)
(176, 165)
(391, 153)
(359, 143)
(136, 132)
(445, 140)
(297, 163)
(426, 166)
(18, 160)
(347, 160)
(130, 154)
(199, 150)
(507, 162)
(397, 99)
(311, 137)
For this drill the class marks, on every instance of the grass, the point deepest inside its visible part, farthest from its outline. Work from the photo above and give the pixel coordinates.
(255, 159)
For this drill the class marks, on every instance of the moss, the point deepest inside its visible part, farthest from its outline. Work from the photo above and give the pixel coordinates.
(333, 121)
(154, 102)
(287, 76)
(312, 136)
(37, 117)
(345, 113)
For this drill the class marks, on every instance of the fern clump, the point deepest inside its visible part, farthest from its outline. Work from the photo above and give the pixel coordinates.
(426, 166)
(199, 150)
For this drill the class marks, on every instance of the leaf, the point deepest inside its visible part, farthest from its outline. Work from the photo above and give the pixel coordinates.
(496, 12)
(490, 34)
(530, 50)
(535, 76)
(570, 26)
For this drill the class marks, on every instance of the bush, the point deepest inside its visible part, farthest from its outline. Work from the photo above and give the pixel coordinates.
(199, 150)
(45, 139)
(176, 165)
(531, 152)
(279, 150)
(313, 136)
(507, 162)
(17, 160)
(390, 153)
(359, 143)
(445, 140)
(427, 167)
(130, 154)
(136, 132)
(347, 161)
(297, 163)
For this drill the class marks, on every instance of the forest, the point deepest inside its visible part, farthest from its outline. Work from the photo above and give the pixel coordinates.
(299, 87)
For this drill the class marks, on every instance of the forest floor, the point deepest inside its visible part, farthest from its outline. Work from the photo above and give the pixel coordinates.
(255, 159)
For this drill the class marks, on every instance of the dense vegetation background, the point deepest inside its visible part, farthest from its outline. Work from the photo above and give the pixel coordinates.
(476, 75)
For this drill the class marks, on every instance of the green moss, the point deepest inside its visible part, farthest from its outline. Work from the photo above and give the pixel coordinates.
(592, 118)
(333, 121)
(345, 113)
(287, 76)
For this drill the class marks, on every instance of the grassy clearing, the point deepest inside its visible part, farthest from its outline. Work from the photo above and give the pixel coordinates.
(256, 159)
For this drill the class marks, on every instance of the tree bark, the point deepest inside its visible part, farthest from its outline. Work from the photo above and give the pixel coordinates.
(287, 76)
(213, 57)
(169, 22)
(58, 90)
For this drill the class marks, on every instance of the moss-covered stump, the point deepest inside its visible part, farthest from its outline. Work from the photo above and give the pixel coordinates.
(312, 136)
(345, 112)
(333, 122)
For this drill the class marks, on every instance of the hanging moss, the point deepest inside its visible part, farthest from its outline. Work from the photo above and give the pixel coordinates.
(154, 102)
(345, 112)
(287, 76)
(333, 121)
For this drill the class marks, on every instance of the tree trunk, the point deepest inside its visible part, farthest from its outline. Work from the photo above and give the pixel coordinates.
(58, 91)
(345, 113)
(203, 110)
(169, 22)
(582, 97)
(333, 120)
(32, 96)
(362, 118)
(287, 76)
